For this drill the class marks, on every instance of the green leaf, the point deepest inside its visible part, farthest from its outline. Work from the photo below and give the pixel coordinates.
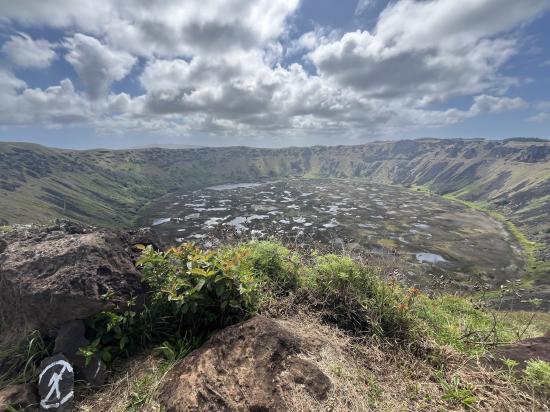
(200, 284)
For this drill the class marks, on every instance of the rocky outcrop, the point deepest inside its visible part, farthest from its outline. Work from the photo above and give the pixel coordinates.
(246, 367)
(22, 397)
(52, 275)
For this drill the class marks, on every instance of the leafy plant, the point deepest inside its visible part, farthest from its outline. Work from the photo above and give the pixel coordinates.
(192, 293)
(200, 289)
(113, 335)
(179, 348)
(537, 375)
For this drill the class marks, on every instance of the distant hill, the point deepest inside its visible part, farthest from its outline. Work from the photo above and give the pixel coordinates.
(166, 146)
(108, 187)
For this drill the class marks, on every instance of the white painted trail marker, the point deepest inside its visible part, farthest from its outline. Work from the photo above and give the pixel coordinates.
(56, 384)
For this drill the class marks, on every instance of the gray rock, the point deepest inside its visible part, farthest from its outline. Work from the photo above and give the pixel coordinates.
(70, 338)
(94, 371)
(22, 397)
(49, 276)
(56, 384)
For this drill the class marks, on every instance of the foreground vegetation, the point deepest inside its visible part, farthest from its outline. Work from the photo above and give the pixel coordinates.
(196, 292)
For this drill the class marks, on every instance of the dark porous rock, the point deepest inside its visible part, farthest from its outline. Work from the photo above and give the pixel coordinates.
(245, 367)
(56, 384)
(22, 397)
(70, 338)
(92, 371)
(52, 275)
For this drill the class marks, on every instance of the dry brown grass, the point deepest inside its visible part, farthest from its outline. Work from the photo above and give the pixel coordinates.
(131, 387)
(369, 377)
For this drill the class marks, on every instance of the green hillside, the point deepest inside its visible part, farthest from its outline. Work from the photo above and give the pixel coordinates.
(107, 187)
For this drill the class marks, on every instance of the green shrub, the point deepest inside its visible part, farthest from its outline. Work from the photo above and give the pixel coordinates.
(357, 299)
(192, 293)
(200, 289)
(537, 375)
(113, 334)
(273, 264)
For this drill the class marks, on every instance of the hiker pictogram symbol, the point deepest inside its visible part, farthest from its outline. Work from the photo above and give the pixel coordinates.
(56, 384)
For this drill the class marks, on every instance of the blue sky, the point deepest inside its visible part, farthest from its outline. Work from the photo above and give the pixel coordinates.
(83, 74)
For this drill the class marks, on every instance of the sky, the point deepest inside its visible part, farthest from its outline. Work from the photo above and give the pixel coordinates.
(271, 73)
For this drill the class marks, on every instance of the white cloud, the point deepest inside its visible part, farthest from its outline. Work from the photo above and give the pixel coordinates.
(429, 50)
(543, 113)
(9, 84)
(97, 65)
(59, 104)
(166, 28)
(492, 104)
(23, 51)
(87, 15)
(306, 42)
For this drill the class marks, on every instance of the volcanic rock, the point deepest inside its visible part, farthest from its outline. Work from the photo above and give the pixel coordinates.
(245, 367)
(52, 275)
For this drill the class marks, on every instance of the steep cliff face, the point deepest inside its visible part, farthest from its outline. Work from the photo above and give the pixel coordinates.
(108, 187)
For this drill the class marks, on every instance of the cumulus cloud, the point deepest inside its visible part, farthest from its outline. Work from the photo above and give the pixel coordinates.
(97, 65)
(165, 28)
(23, 51)
(59, 104)
(9, 84)
(492, 104)
(429, 50)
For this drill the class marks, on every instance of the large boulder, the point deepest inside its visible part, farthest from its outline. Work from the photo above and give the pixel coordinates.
(52, 275)
(246, 367)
